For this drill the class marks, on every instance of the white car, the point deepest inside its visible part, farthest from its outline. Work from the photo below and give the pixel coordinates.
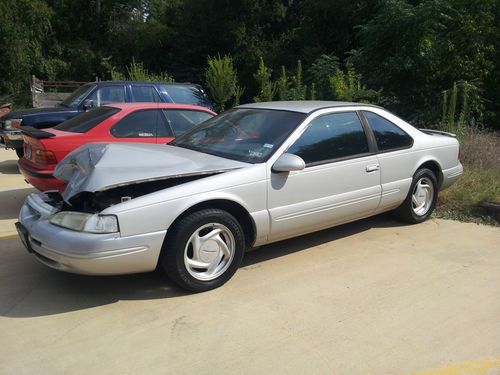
(256, 174)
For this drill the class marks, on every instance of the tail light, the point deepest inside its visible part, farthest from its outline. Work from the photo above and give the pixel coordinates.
(45, 157)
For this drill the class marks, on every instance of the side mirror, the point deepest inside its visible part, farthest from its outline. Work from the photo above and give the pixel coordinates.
(88, 104)
(288, 163)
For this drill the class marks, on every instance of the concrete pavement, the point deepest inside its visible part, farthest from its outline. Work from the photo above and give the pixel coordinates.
(373, 297)
(13, 191)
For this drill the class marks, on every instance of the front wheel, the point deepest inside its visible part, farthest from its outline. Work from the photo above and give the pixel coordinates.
(203, 250)
(19, 152)
(421, 199)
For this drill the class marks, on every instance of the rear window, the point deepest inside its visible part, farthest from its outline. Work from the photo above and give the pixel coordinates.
(87, 121)
(185, 94)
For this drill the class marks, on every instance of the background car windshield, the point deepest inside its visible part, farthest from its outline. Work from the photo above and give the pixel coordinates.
(88, 120)
(247, 135)
(76, 97)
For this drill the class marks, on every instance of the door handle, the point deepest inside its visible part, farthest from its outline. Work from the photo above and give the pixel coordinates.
(372, 168)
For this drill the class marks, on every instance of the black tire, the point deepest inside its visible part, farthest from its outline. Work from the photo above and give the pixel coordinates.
(19, 152)
(406, 211)
(172, 254)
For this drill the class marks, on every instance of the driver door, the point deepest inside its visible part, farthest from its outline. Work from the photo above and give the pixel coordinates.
(340, 183)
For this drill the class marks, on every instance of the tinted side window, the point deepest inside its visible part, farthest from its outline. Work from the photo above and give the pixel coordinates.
(388, 135)
(88, 120)
(185, 94)
(182, 121)
(333, 136)
(141, 124)
(145, 94)
(108, 94)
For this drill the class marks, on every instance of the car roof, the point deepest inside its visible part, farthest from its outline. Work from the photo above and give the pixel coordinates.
(143, 83)
(139, 105)
(302, 106)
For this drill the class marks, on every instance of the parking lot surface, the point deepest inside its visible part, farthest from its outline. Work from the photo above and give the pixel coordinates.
(371, 297)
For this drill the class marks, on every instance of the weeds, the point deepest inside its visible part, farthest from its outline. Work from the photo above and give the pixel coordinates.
(480, 155)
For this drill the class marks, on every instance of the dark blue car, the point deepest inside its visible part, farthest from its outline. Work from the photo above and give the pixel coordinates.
(93, 95)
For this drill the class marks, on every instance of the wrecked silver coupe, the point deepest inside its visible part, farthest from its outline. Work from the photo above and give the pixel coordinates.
(253, 175)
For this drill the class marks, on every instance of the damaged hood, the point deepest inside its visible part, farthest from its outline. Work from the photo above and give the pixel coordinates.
(102, 166)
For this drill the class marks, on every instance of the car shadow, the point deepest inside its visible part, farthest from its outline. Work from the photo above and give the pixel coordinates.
(9, 167)
(293, 245)
(42, 291)
(12, 200)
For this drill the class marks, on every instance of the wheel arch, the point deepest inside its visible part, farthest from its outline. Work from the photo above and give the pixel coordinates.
(234, 208)
(435, 167)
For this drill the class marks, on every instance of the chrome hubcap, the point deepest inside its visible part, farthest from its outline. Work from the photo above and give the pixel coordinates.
(422, 197)
(209, 251)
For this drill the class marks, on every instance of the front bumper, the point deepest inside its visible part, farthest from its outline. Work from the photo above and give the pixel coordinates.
(85, 253)
(11, 138)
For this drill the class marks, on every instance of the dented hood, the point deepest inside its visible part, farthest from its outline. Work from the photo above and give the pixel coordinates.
(102, 166)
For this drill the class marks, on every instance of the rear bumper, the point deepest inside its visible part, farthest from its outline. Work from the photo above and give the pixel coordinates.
(450, 176)
(87, 253)
(42, 179)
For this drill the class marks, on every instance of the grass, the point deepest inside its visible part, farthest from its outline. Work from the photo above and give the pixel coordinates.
(480, 155)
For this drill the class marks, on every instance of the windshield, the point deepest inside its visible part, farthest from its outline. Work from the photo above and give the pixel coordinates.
(77, 96)
(87, 121)
(248, 135)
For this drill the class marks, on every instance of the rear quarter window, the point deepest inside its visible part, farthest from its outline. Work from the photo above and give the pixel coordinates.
(388, 135)
(87, 121)
(185, 94)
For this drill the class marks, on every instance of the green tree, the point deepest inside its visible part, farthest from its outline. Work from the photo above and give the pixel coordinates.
(221, 79)
(346, 86)
(24, 26)
(320, 72)
(283, 85)
(297, 88)
(267, 88)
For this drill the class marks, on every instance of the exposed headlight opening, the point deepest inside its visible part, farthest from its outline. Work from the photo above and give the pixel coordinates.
(83, 222)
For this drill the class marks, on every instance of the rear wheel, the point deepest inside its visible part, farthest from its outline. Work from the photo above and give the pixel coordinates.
(421, 199)
(203, 250)
(19, 152)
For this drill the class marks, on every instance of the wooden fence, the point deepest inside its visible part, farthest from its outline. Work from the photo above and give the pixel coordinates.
(51, 93)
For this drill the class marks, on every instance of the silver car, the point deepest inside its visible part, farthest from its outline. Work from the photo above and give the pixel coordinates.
(256, 174)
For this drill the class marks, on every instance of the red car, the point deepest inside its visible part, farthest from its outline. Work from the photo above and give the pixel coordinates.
(131, 122)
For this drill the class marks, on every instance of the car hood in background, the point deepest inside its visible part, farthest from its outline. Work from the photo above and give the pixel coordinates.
(102, 166)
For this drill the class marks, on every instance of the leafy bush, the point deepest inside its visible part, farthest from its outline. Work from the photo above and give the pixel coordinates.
(283, 85)
(221, 79)
(464, 99)
(267, 88)
(297, 88)
(346, 86)
(135, 71)
(320, 72)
